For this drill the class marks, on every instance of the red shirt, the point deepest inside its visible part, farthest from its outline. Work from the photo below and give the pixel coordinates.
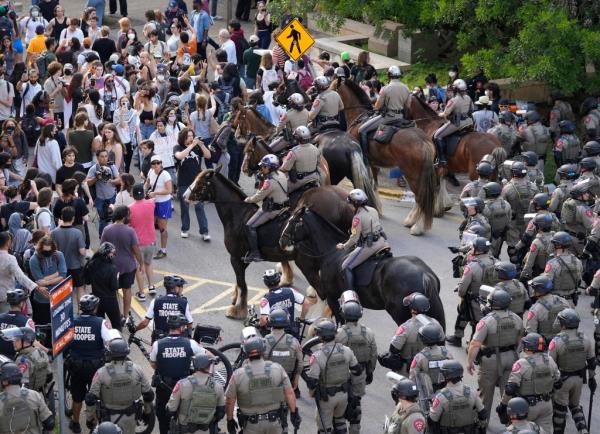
(142, 221)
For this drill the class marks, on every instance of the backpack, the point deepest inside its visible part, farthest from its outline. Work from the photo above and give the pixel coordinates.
(42, 63)
(305, 79)
(160, 29)
(6, 28)
(37, 215)
(241, 46)
(31, 128)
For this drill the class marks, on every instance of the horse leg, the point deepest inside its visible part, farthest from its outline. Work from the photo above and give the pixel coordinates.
(375, 172)
(443, 202)
(239, 306)
(411, 217)
(418, 228)
(287, 273)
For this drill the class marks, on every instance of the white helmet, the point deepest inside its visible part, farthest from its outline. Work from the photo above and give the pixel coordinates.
(302, 133)
(321, 82)
(459, 84)
(357, 197)
(271, 161)
(340, 72)
(296, 99)
(394, 71)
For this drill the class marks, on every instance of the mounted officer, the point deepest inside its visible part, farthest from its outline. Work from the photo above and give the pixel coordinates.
(535, 137)
(567, 148)
(540, 249)
(473, 212)
(533, 377)
(458, 114)
(577, 214)
(405, 344)
(408, 418)
(118, 386)
(302, 161)
(31, 360)
(197, 402)
(475, 188)
(295, 116)
(281, 297)
(499, 215)
(170, 358)
(494, 346)
(561, 111)
(573, 352)
(587, 173)
(534, 173)
(518, 410)
(260, 389)
(518, 193)
(22, 410)
(591, 117)
(361, 340)
(505, 131)
(366, 236)
(542, 314)
(327, 105)
(567, 174)
(564, 269)
(507, 276)
(86, 353)
(171, 303)
(425, 366)
(334, 373)
(390, 104)
(274, 197)
(17, 300)
(456, 408)
(592, 150)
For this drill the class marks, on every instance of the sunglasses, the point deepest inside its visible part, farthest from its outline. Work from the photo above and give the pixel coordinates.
(154, 163)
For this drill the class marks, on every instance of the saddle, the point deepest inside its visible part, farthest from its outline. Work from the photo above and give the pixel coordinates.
(363, 274)
(386, 131)
(269, 233)
(295, 195)
(454, 139)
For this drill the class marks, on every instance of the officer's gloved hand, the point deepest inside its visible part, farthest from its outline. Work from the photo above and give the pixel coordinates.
(295, 419)
(369, 378)
(592, 384)
(501, 409)
(90, 423)
(232, 426)
(147, 417)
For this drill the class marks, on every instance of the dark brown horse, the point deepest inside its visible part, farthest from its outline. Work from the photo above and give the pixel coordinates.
(409, 149)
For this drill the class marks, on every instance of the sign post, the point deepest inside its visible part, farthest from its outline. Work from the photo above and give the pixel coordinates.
(294, 39)
(63, 330)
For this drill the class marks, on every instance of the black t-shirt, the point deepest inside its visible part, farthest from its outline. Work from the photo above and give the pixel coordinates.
(189, 167)
(78, 204)
(67, 172)
(8, 208)
(104, 47)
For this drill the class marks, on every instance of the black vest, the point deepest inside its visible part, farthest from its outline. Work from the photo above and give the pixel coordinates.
(166, 305)
(174, 357)
(8, 320)
(284, 299)
(87, 343)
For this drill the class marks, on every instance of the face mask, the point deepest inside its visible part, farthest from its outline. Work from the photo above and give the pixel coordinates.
(488, 93)
(126, 105)
(452, 74)
(131, 36)
(67, 72)
(47, 253)
(34, 14)
(160, 77)
(10, 130)
(172, 118)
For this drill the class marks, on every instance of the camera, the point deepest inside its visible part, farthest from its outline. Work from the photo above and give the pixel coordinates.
(104, 173)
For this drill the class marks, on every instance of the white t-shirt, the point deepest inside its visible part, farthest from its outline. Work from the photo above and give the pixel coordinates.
(29, 24)
(163, 178)
(91, 112)
(229, 48)
(28, 91)
(68, 34)
(265, 307)
(6, 91)
(163, 146)
(49, 158)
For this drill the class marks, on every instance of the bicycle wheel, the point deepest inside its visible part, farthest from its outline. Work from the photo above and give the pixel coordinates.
(234, 353)
(68, 396)
(142, 427)
(307, 347)
(222, 370)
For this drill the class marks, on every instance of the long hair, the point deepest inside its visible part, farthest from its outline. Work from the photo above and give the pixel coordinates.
(46, 134)
(18, 130)
(266, 61)
(116, 140)
(94, 97)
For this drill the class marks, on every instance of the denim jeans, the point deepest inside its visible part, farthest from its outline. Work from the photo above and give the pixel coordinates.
(213, 8)
(236, 154)
(250, 82)
(99, 5)
(101, 205)
(185, 212)
(264, 39)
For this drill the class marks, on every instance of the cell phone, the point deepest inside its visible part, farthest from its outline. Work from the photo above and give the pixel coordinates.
(93, 82)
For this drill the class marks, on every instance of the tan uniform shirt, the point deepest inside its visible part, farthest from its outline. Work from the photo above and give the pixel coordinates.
(303, 158)
(182, 394)
(365, 222)
(440, 403)
(275, 186)
(538, 313)
(319, 367)
(421, 365)
(39, 411)
(565, 272)
(522, 369)
(536, 138)
(407, 421)
(558, 347)
(395, 95)
(328, 104)
(461, 106)
(293, 119)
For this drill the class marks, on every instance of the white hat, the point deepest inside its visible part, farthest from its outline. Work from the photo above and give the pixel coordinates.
(156, 158)
(253, 38)
(483, 100)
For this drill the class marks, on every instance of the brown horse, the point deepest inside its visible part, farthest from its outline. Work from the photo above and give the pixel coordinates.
(409, 149)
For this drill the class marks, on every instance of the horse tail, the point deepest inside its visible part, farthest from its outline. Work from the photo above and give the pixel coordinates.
(361, 178)
(499, 155)
(426, 192)
(431, 289)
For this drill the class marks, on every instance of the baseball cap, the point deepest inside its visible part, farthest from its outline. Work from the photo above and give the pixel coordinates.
(156, 158)
(253, 38)
(118, 68)
(345, 56)
(68, 66)
(138, 191)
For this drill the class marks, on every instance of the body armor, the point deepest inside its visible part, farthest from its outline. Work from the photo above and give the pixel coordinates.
(358, 343)
(261, 390)
(122, 391)
(507, 333)
(167, 305)
(337, 371)
(39, 369)
(554, 307)
(489, 275)
(200, 408)
(17, 416)
(87, 342)
(513, 287)
(434, 364)
(281, 352)
(524, 195)
(541, 381)
(460, 411)
(498, 217)
(173, 359)
(573, 358)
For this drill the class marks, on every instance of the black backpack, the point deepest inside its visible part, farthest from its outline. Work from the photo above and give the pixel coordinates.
(241, 46)
(6, 28)
(160, 29)
(42, 63)
(31, 129)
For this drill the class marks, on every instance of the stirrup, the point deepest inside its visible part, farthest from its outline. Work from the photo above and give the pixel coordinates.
(252, 257)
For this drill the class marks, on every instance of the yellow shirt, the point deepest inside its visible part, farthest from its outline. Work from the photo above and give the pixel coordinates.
(37, 44)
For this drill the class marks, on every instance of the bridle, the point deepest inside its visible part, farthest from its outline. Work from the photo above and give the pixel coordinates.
(289, 234)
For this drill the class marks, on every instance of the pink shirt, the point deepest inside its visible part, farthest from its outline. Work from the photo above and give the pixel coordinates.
(142, 221)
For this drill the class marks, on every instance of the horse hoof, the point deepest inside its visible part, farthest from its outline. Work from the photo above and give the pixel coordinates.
(236, 312)
(416, 231)
(448, 208)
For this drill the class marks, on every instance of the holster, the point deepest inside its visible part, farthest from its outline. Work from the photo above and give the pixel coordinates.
(293, 175)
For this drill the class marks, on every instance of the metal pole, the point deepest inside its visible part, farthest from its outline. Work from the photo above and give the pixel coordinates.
(229, 13)
(60, 384)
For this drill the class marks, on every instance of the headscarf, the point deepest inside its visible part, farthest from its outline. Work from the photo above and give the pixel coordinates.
(21, 236)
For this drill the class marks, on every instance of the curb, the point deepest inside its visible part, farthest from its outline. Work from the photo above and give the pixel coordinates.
(387, 193)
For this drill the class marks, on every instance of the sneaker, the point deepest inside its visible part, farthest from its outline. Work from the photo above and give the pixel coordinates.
(206, 237)
(123, 321)
(140, 296)
(75, 427)
(184, 234)
(455, 341)
(217, 17)
(160, 254)
(152, 290)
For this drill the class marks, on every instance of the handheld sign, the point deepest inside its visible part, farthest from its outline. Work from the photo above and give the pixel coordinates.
(61, 311)
(295, 39)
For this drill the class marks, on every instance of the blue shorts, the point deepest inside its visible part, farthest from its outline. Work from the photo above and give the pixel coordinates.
(162, 210)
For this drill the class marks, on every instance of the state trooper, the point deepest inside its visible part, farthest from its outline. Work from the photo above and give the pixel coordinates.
(591, 248)
(478, 271)
(534, 173)
(587, 172)
(170, 358)
(561, 111)
(361, 340)
(107, 428)
(573, 352)
(533, 377)
(592, 150)
(539, 203)
(327, 105)
(390, 106)
(567, 174)
(564, 269)
(22, 410)
(518, 410)
(295, 116)
(591, 117)
(540, 249)
(260, 389)
(535, 137)
(17, 300)
(542, 314)
(577, 214)
(31, 360)
(334, 373)
(197, 402)
(475, 188)
(171, 303)
(456, 408)
(117, 387)
(519, 297)
(408, 417)
(499, 215)
(302, 161)
(86, 353)
(273, 194)
(425, 366)
(405, 344)
(473, 212)
(505, 131)
(518, 192)
(281, 297)
(567, 148)
(494, 346)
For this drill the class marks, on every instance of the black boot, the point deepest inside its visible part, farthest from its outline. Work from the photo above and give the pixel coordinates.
(452, 179)
(349, 278)
(439, 148)
(364, 146)
(253, 254)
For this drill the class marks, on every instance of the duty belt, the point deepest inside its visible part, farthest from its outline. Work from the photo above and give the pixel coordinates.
(469, 429)
(576, 235)
(271, 416)
(277, 206)
(489, 351)
(397, 112)
(534, 399)
(327, 118)
(334, 390)
(302, 175)
(579, 373)
(125, 411)
(374, 237)
(192, 427)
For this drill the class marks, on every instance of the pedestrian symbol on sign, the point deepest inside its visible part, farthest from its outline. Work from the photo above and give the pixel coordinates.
(294, 39)
(295, 35)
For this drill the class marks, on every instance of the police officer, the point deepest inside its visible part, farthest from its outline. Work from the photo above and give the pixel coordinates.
(473, 212)
(169, 304)
(334, 373)
(564, 269)
(567, 174)
(390, 105)
(475, 188)
(17, 300)
(587, 172)
(32, 361)
(478, 271)
(295, 116)
(118, 385)
(86, 353)
(499, 215)
(505, 131)
(540, 249)
(534, 173)
(408, 418)
(577, 215)
(567, 147)
(197, 402)
(591, 248)
(591, 117)
(539, 204)
(366, 235)
(21, 410)
(281, 297)
(542, 314)
(518, 410)
(361, 340)
(405, 344)
(507, 275)
(107, 428)
(561, 111)
(302, 161)
(170, 358)
(494, 346)
(260, 389)
(274, 196)
(518, 192)
(592, 150)
(425, 366)
(327, 105)
(535, 137)
(573, 352)
(533, 377)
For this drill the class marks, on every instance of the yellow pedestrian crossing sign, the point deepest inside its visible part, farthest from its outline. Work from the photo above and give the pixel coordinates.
(295, 39)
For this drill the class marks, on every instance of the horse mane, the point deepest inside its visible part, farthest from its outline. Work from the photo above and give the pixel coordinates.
(261, 117)
(363, 98)
(226, 181)
(424, 106)
(327, 223)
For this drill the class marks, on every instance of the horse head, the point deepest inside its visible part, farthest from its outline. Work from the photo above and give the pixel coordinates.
(295, 230)
(419, 110)
(239, 122)
(254, 150)
(203, 187)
